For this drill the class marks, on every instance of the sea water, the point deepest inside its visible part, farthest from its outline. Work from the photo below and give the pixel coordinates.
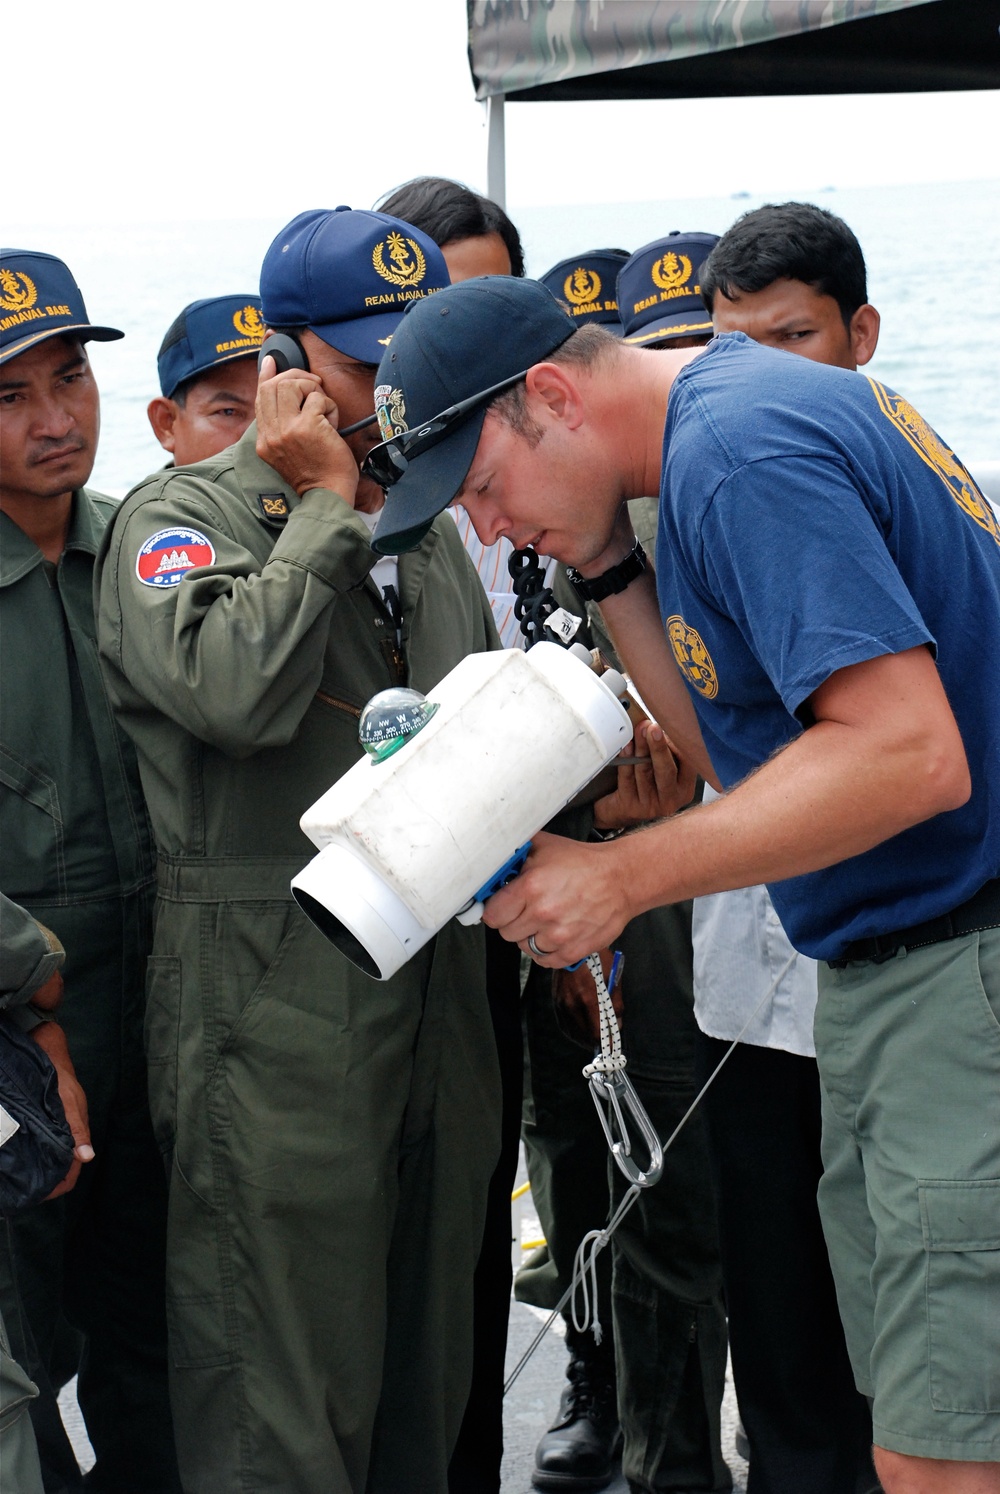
(932, 255)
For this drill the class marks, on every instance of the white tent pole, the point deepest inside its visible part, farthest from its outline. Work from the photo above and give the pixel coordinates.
(496, 166)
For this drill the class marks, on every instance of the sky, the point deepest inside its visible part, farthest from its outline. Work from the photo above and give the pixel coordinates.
(196, 112)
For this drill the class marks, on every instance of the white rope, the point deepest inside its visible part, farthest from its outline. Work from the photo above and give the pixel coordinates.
(611, 1056)
(587, 1252)
(596, 1240)
(588, 1296)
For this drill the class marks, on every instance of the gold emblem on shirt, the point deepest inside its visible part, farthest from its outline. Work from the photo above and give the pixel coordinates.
(671, 271)
(582, 287)
(17, 291)
(249, 323)
(406, 260)
(693, 659)
(273, 505)
(932, 450)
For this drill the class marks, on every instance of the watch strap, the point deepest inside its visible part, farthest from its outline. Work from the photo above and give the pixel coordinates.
(612, 581)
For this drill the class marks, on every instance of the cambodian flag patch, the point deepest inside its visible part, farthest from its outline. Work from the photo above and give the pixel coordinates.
(168, 555)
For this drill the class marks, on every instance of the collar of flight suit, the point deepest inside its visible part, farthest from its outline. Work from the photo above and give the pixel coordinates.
(259, 482)
(19, 554)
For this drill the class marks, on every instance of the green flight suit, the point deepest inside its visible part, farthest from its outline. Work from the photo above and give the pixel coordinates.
(330, 1137)
(76, 852)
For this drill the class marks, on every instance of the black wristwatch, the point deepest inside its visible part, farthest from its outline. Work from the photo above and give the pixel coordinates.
(611, 581)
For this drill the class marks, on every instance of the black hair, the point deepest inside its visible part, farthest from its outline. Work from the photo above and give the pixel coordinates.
(447, 210)
(788, 241)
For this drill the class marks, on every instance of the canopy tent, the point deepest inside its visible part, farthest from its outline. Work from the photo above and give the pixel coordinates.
(527, 50)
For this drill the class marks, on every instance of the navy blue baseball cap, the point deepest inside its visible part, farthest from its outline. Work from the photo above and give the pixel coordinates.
(38, 299)
(348, 275)
(208, 332)
(586, 286)
(449, 357)
(658, 292)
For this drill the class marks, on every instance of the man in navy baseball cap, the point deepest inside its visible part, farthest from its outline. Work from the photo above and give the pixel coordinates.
(585, 284)
(257, 566)
(335, 282)
(449, 359)
(659, 295)
(51, 427)
(82, 865)
(348, 276)
(207, 366)
(40, 299)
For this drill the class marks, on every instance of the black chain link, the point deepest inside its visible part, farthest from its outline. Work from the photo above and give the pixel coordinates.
(535, 601)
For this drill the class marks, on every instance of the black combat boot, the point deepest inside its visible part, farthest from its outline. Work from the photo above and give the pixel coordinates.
(580, 1449)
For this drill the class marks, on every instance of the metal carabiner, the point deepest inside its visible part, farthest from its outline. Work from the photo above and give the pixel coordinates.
(613, 1095)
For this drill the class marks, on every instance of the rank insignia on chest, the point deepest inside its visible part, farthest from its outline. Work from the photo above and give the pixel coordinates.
(273, 505)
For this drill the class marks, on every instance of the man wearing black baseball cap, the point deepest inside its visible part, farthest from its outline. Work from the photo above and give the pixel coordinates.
(791, 276)
(802, 637)
(330, 1139)
(207, 365)
(75, 852)
(432, 397)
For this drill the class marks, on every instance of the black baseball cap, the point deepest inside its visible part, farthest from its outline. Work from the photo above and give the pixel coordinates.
(449, 357)
(38, 299)
(659, 296)
(585, 284)
(215, 330)
(348, 275)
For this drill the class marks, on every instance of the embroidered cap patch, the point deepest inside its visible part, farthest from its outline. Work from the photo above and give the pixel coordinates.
(168, 555)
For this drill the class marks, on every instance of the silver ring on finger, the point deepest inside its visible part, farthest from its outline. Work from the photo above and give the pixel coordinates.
(541, 953)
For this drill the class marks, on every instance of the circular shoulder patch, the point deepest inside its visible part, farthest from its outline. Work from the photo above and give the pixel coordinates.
(693, 659)
(169, 554)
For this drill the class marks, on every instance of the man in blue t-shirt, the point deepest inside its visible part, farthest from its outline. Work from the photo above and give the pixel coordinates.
(822, 647)
(792, 276)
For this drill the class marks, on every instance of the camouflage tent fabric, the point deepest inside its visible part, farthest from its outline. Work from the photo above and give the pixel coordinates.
(516, 44)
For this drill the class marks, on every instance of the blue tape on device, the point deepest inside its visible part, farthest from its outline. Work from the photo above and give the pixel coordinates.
(506, 874)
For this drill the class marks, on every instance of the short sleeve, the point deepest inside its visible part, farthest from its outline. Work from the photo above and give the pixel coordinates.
(795, 554)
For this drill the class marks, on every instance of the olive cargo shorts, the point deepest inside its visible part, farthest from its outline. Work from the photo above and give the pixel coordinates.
(909, 1057)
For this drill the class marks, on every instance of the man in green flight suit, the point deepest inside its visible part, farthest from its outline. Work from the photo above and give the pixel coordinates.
(75, 851)
(330, 1138)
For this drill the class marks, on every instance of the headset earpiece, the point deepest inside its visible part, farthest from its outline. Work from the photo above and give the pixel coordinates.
(286, 351)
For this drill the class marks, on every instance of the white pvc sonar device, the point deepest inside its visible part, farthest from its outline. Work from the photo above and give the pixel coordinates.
(430, 831)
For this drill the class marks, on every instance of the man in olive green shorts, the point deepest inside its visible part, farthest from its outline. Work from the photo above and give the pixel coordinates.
(807, 642)
(330, 1137)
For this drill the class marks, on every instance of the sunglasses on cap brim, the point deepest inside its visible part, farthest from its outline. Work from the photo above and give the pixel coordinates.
(386, 463)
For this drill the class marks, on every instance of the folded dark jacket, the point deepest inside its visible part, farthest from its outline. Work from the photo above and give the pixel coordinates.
(39, 1154)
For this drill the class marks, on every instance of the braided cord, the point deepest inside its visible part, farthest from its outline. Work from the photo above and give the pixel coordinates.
(611, 1057)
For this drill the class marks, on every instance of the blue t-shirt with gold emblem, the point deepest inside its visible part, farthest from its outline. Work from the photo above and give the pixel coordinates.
(810, 519)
